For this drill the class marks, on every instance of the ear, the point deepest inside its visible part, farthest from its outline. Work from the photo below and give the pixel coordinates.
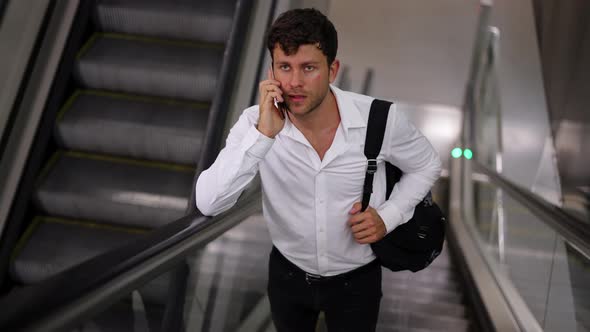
(334, 67)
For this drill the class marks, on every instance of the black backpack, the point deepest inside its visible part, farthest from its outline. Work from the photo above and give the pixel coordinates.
(415, 244)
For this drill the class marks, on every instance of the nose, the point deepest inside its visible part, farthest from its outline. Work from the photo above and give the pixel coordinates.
(296, 79)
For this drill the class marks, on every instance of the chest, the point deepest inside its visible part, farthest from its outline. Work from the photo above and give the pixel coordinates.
(292, 172)
(296, 161)
(321, 142)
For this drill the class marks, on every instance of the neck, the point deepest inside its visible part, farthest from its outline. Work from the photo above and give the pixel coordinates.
(325, 117)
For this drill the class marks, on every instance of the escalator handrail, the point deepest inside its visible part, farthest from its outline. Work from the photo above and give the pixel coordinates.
(221, 101)
(23, 75)
(572, 228)
(3, 4)
(53, 299)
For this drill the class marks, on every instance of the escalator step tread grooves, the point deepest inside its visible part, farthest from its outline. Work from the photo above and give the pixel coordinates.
(124, 316)
(55, 244)
(429, 300)
(189, 19)
(150, 68)
(136, 128)
(115, 190)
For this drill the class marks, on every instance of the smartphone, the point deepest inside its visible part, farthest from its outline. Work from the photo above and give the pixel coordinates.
(279, 105)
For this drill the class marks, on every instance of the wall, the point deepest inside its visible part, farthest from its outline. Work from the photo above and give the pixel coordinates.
(563, 29)
(527, 140)
(420, 49)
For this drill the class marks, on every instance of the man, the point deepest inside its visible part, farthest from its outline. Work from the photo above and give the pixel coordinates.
(309, 152)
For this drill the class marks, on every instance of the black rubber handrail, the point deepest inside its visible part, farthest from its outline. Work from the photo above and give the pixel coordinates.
(220, 104)
(41, 298)
(3, 4)
(572, 228)
(108, 277)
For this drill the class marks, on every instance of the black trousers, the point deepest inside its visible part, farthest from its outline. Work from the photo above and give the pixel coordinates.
(350, 301)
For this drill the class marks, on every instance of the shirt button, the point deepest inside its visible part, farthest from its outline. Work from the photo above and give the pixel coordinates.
(321, 230)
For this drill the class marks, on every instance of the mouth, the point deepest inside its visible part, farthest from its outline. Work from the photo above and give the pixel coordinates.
(297, 98)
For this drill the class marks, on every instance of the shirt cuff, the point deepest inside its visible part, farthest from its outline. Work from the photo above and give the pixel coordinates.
(256, 144)
(391, 216)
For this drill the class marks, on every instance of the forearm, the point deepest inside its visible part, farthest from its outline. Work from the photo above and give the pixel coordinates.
(413, 154)
(406, 194)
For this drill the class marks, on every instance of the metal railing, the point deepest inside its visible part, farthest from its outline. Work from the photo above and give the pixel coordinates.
(572, 228)
(77, 294)
(499, 303)
(20, 27)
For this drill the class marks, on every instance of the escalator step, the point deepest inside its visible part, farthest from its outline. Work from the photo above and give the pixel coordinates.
(416, 305)
(429, 276)
(137, 127)
(147, 66)
(52, 245)
(400, 327)
(118, 317)
(394, 291)
(124, 316)
(114, 190)
(180, 19)
(425, 320)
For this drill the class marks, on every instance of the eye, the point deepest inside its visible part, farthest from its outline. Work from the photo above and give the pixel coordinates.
(284, 67)
(309, 68)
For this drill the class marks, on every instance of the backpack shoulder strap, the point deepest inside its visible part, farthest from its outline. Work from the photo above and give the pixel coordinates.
(373, 142)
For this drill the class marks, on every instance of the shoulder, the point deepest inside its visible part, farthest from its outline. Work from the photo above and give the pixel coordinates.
(251, 114)
(359, 101)
(247, 119)
(363, 103)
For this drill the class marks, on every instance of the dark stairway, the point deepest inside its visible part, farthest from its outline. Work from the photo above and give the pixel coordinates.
(130, 136)
(428, 300)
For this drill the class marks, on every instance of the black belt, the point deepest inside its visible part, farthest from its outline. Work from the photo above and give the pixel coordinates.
(311, 278)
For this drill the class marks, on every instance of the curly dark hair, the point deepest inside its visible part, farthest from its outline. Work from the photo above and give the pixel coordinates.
(298, 27)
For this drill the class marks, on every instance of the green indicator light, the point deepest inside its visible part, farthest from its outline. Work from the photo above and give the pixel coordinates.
(456, 153)
(468, 154)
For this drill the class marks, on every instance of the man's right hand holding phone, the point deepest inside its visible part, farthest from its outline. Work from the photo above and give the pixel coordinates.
(272, 119)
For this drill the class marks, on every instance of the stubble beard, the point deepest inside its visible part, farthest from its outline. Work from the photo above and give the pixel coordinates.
(314, 105)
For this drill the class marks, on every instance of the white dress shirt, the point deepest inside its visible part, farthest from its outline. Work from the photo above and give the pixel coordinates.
(306, 201)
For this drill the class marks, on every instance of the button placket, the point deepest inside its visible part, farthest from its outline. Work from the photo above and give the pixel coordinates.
(321, 222)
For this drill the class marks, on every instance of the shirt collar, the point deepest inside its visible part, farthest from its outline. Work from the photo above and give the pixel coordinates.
(350, 115)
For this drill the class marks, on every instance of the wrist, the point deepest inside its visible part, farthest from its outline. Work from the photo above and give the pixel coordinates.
(265, 131)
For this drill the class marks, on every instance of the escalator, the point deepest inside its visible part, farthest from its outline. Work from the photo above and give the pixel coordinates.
(134, 125)
(110, 208)
(124, 147)
(125, 144)
(430, 300)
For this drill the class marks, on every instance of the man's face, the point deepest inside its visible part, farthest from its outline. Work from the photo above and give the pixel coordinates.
(305, 77)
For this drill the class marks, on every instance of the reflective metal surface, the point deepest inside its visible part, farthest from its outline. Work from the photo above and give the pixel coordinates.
(525, 117)
(563, 33)
(530, 254)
